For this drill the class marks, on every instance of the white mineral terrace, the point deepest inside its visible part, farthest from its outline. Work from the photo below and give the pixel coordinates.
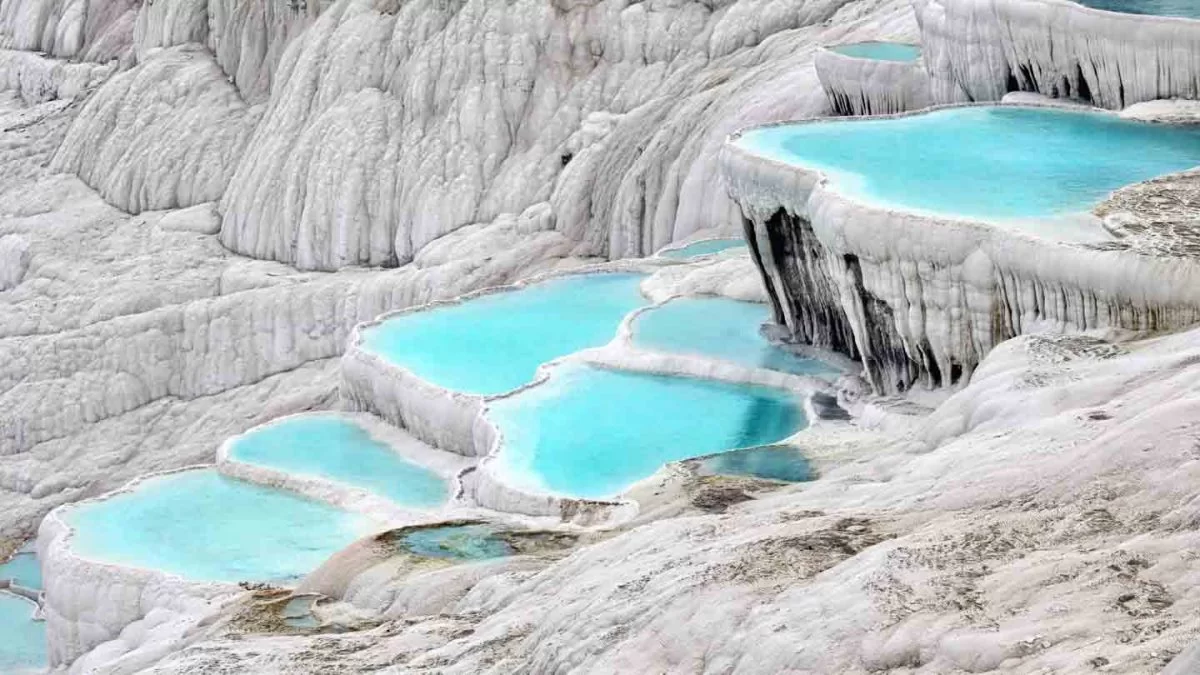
(923, 297)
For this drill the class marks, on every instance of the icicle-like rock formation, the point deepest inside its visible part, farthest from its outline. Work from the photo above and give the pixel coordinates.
(858, 86)
(922, 298)
(979, 50)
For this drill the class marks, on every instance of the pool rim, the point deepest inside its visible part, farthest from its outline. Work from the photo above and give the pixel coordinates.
(821, 179)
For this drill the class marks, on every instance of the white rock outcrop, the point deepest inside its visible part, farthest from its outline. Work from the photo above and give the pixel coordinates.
(979, 50)
(860, 86)
(921, 298)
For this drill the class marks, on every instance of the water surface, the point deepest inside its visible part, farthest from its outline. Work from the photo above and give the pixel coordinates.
(495, 343)
(336, 448)
(24, 569)
(1183, 8)
(701, 248)
(879, 51)
(204, 526)
(22, 640)
(719, 328)
(772, 462)
(590, 432)
(457, 542)
(1030, 166)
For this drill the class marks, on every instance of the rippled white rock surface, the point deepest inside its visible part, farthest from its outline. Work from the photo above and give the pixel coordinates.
(1033, 521)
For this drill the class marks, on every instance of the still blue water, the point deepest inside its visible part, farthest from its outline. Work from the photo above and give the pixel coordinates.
(495, 343)
(985, 162)
(1185, 8)
(206, 527)
(340, 450)
(24, 569)
(719, 328)
(772, 462)
(591, 432)
(879, 51)
(706, 247)
(458, 542)
(22, 640)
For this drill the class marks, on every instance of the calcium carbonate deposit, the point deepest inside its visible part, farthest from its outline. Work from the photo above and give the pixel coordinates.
(599, 336)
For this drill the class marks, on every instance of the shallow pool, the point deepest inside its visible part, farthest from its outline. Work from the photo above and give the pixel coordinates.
(719, 328)
(206, 527)
(989, 162)
(706, 247)
(1184, 8)
(495, 343)
(457, 542)
(590, 432)
(331, 447)
(879, 51)
(22, 640)
(772, 462)
(23, 569)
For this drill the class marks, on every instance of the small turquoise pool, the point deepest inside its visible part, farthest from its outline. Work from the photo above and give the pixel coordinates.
(457, 542)
(335, 448)
(23, 569)
(203, 526)
(590, 432)
(719, 328)
(1183, 8)
(991, 162)
(706, 247)
(772, 462)
(495, 343)
(22, 640)
(879, 51)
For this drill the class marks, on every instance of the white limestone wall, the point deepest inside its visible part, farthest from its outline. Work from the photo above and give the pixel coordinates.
(89, 30)
(38, 79)
(858, 86)
(164, 135)
(978, 50)
(954, 289)
(88, 603)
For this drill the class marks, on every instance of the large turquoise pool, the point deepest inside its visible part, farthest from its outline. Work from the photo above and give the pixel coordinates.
(719, 328)
(701, 248)
(590, 432)
(992, 162)
(22, 640)
(1184, 8)
(495, 343)
(879, 51)
(330, 447)
(203, 526)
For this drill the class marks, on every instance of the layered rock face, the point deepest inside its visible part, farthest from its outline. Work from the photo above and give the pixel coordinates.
(858, 86)
(979, 50)
(921, 299)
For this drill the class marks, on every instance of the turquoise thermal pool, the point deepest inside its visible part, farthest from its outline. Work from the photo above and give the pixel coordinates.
(719, 328)
(457, 542)
(335, 448)
(706, 247)
(879, 51)
(494, 343)
(991, 162)
(590, 432)
(1182, 8)
(773, 462)
(23, 569)
(22, 640)
(203, 526)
